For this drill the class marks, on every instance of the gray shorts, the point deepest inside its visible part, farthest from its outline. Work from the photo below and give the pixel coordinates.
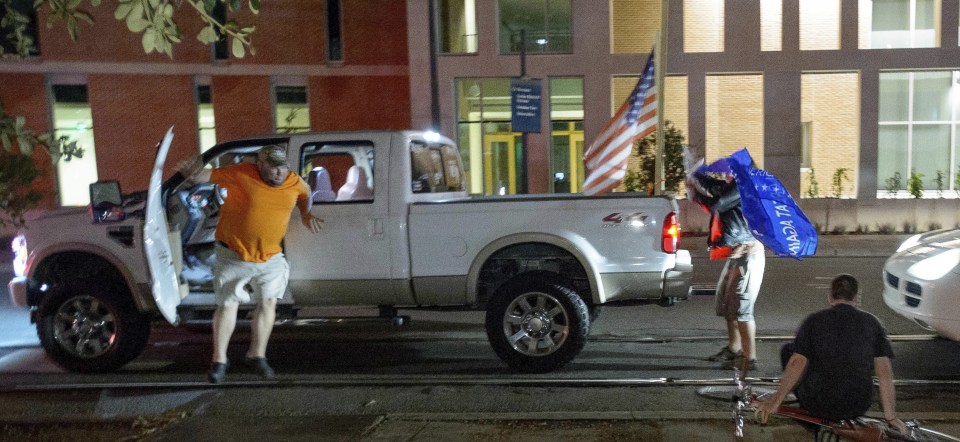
(239, 281)
(739, 286)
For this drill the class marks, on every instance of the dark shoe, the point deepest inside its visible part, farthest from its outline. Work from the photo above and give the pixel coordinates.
(260, 366)
(724, 355)
(741, 363)
(218, 372)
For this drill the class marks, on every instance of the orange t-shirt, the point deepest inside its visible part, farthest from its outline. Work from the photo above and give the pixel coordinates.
(254, 215)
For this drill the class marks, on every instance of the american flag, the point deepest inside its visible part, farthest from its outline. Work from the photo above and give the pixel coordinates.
(606, 159)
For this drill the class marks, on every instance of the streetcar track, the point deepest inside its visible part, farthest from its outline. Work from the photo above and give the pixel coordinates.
(433, 382)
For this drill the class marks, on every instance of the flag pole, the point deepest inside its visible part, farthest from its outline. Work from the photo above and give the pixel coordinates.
(660, 52)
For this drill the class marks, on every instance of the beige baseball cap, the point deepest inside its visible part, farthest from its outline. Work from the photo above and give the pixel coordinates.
(273, 155)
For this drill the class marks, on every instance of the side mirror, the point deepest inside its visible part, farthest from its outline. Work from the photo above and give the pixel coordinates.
(106, 202)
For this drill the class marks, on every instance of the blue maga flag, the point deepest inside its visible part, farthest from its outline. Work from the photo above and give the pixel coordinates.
(773, 216)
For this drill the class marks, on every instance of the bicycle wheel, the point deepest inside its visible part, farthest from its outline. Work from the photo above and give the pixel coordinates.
(923, 434)
(919, 433)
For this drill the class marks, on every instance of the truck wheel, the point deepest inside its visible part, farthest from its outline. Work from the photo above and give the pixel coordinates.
(537, 325)
(88, 329)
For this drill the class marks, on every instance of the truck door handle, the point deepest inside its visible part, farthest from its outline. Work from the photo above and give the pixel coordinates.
(375, 228)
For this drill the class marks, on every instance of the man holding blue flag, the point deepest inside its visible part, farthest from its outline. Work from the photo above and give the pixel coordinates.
(739, 285)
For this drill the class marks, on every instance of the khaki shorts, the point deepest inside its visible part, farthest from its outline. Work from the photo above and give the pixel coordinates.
(239, 281)
(739, 286)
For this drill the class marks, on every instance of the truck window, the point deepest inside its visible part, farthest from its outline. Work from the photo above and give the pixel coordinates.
(338, 172)
(435, 168)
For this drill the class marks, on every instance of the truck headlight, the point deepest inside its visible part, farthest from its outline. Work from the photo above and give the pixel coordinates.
(19, 246)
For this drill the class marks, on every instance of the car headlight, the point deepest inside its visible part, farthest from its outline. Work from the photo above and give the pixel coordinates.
(19, 246)
(910, 242)
(936, 266)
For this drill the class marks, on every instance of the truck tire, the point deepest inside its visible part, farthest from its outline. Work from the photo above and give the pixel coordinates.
(89, 328)
(537, 325)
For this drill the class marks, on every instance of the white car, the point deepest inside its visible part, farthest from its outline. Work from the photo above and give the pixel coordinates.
(922, 281)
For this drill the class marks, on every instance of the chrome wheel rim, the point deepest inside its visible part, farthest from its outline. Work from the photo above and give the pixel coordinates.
(85, 327)
(536, 324)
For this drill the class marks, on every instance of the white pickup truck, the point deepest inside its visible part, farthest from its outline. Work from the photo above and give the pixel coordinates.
(400, 232)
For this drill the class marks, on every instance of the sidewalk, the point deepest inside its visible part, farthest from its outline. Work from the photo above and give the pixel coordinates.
(828, 245)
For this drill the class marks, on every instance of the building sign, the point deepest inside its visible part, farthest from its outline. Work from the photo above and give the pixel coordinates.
(525, 106)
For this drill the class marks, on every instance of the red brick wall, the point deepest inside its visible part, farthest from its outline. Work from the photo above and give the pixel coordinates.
(131, 113)
(374, 32)
(352, 103)
(25, 95)
(288, 32)
(109, 40)
(242, 106)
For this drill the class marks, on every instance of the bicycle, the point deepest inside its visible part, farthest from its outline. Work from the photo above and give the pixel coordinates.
(862, 429)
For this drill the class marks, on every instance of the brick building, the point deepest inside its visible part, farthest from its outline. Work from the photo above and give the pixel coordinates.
(104, 91)
(843, 100)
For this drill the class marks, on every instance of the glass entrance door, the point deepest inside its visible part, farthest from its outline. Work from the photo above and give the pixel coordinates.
(502, 158)
(567, 157)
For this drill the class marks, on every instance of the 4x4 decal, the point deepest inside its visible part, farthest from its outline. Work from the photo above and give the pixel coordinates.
(635, 219)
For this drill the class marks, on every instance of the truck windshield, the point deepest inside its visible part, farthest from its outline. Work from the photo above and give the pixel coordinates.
(435, 168)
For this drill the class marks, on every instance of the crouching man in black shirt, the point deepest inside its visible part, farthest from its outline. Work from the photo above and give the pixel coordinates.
(833, 358)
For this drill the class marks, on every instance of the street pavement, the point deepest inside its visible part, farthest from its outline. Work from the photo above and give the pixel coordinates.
(255, 412)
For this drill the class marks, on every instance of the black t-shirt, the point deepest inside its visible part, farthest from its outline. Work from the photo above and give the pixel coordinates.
(840, 344)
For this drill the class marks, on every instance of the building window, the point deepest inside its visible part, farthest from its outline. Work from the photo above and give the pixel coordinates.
(220, 49)
(206, 125)
(633, 26)
(771, 25)
(25, 17)
(918, 130)
(546, 25)
(566, 134)
(703, 25)
(734, 116)
(492, 152)
(830, 135)
(888, 24)
(334, 35)
(819, 25)
(291, 109)
(458, 26)
(72, 119)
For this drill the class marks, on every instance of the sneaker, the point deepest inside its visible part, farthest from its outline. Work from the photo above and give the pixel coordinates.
(723, 355)
(741, 363)
(260, 366)
(218, 372)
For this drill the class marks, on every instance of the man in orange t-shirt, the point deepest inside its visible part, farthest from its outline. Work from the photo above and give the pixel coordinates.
(250, 263)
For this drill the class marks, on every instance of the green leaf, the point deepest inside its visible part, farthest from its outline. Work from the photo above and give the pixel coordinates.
(208, 5)
(74, 4)
(154, 4)
(123, 10)
(72, 29)
(5, 138)
(207, 35)
(255, 6)
(20, 122)
(84, 15)
(26, 145)
(136, 24)
(238, 49)
(148, 41)
(234, 5)
(95, 2)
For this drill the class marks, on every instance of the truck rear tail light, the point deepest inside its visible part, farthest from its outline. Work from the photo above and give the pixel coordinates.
(671, 233)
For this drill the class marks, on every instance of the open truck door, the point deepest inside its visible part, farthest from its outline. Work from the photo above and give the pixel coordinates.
(156, 244)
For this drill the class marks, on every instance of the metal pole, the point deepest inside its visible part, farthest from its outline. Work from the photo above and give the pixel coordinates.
(523, 136)
(434, 77)
(660, 56)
